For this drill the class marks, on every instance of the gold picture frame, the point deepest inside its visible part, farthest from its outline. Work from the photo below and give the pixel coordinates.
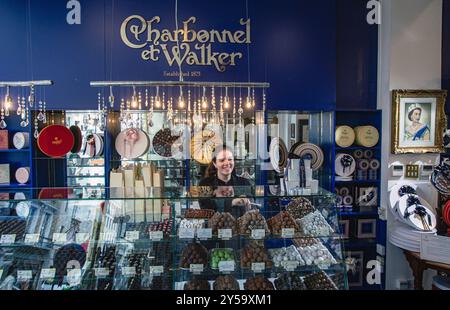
(418, 121)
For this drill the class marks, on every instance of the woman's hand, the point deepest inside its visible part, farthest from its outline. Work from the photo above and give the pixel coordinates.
(224, 191)
(244, 202)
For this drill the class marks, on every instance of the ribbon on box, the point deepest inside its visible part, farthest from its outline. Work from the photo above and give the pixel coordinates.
(131, 137)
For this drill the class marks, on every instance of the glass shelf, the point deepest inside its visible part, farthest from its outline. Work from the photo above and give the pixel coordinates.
(15, 150)
(193, 193)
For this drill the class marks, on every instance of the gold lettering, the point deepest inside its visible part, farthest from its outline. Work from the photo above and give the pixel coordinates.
(215, 33)
(176, 53)
(192, 59)
(151, 31)
(151, 54)
(202, 53)
(246, 23)
(187, 31)
(166, 36)
(237, 37)
(227, 33)
(233, 57)
(223, 59)
(134, 29)
(203, 36)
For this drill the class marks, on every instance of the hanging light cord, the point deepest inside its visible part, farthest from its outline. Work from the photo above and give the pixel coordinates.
(248, 46)
(178, 41)
(29, 39)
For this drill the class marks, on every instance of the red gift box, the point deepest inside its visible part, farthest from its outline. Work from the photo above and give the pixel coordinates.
(4, 144)
(55, 141)
(55, 193)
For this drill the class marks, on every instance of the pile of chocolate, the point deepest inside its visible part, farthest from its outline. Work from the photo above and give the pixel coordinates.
(258, 283)
(162, 252)
(289, 281)
(300, 207)
(282, 220)
(222, 221)
(137, 261)
(199, 213)
(319, 281)
(201, 191)
(252, 220)
(164, 226)
(13, 226)
(163, 141)
(254, 252)
(304, 242)
(197, 285)
(194, 253)
(107, 259)
(226, 283)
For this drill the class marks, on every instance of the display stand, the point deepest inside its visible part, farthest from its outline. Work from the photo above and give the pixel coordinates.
(364, 231)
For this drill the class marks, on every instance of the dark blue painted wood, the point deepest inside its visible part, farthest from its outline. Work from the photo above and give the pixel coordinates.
(357, 57)
(293, 47)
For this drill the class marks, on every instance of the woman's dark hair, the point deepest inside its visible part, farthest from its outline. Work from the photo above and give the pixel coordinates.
(211, 170)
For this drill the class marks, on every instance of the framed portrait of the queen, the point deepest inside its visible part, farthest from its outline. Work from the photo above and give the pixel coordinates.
(418, 121)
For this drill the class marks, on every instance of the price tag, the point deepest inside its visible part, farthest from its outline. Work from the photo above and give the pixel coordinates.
(258, 267)
(128, 271)
(24, 275)
(74, 276)
(156, 235)
(226, 266)
(156, 270)
(8, 239)
(258, 233)
(225, 234)
(59, 238)
(186, 233)
(31, 238)
(287, 233)
(81, 237)
(101, 272)
(290, 265)
(47, 273)
(204, 233)
(196, 268)
(132, 235)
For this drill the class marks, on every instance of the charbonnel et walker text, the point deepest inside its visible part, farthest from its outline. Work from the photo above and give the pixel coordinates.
(189, 46)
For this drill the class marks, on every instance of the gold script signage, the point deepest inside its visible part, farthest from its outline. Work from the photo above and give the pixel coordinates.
(188, 46)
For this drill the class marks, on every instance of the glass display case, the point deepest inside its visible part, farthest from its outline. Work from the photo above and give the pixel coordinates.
(66, 242)
(86, 168)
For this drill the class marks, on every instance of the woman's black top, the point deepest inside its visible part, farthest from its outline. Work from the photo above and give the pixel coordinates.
(223, 204)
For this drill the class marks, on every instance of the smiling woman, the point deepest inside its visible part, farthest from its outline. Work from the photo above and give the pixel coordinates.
(221, 177)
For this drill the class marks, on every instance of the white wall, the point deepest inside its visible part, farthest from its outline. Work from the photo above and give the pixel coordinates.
(410, 40)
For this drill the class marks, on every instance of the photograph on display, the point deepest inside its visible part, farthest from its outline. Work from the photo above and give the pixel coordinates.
(418, 121)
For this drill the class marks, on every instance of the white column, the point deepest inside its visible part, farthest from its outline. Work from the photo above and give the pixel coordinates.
(410, 40)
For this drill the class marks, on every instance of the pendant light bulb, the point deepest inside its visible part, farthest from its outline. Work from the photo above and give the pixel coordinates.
(134, 100)
(248, 101)
(111, 97)
(226, 100)
(31, 97)
(181, 103)
(204, 100)
(8, 102)
(157, 99)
